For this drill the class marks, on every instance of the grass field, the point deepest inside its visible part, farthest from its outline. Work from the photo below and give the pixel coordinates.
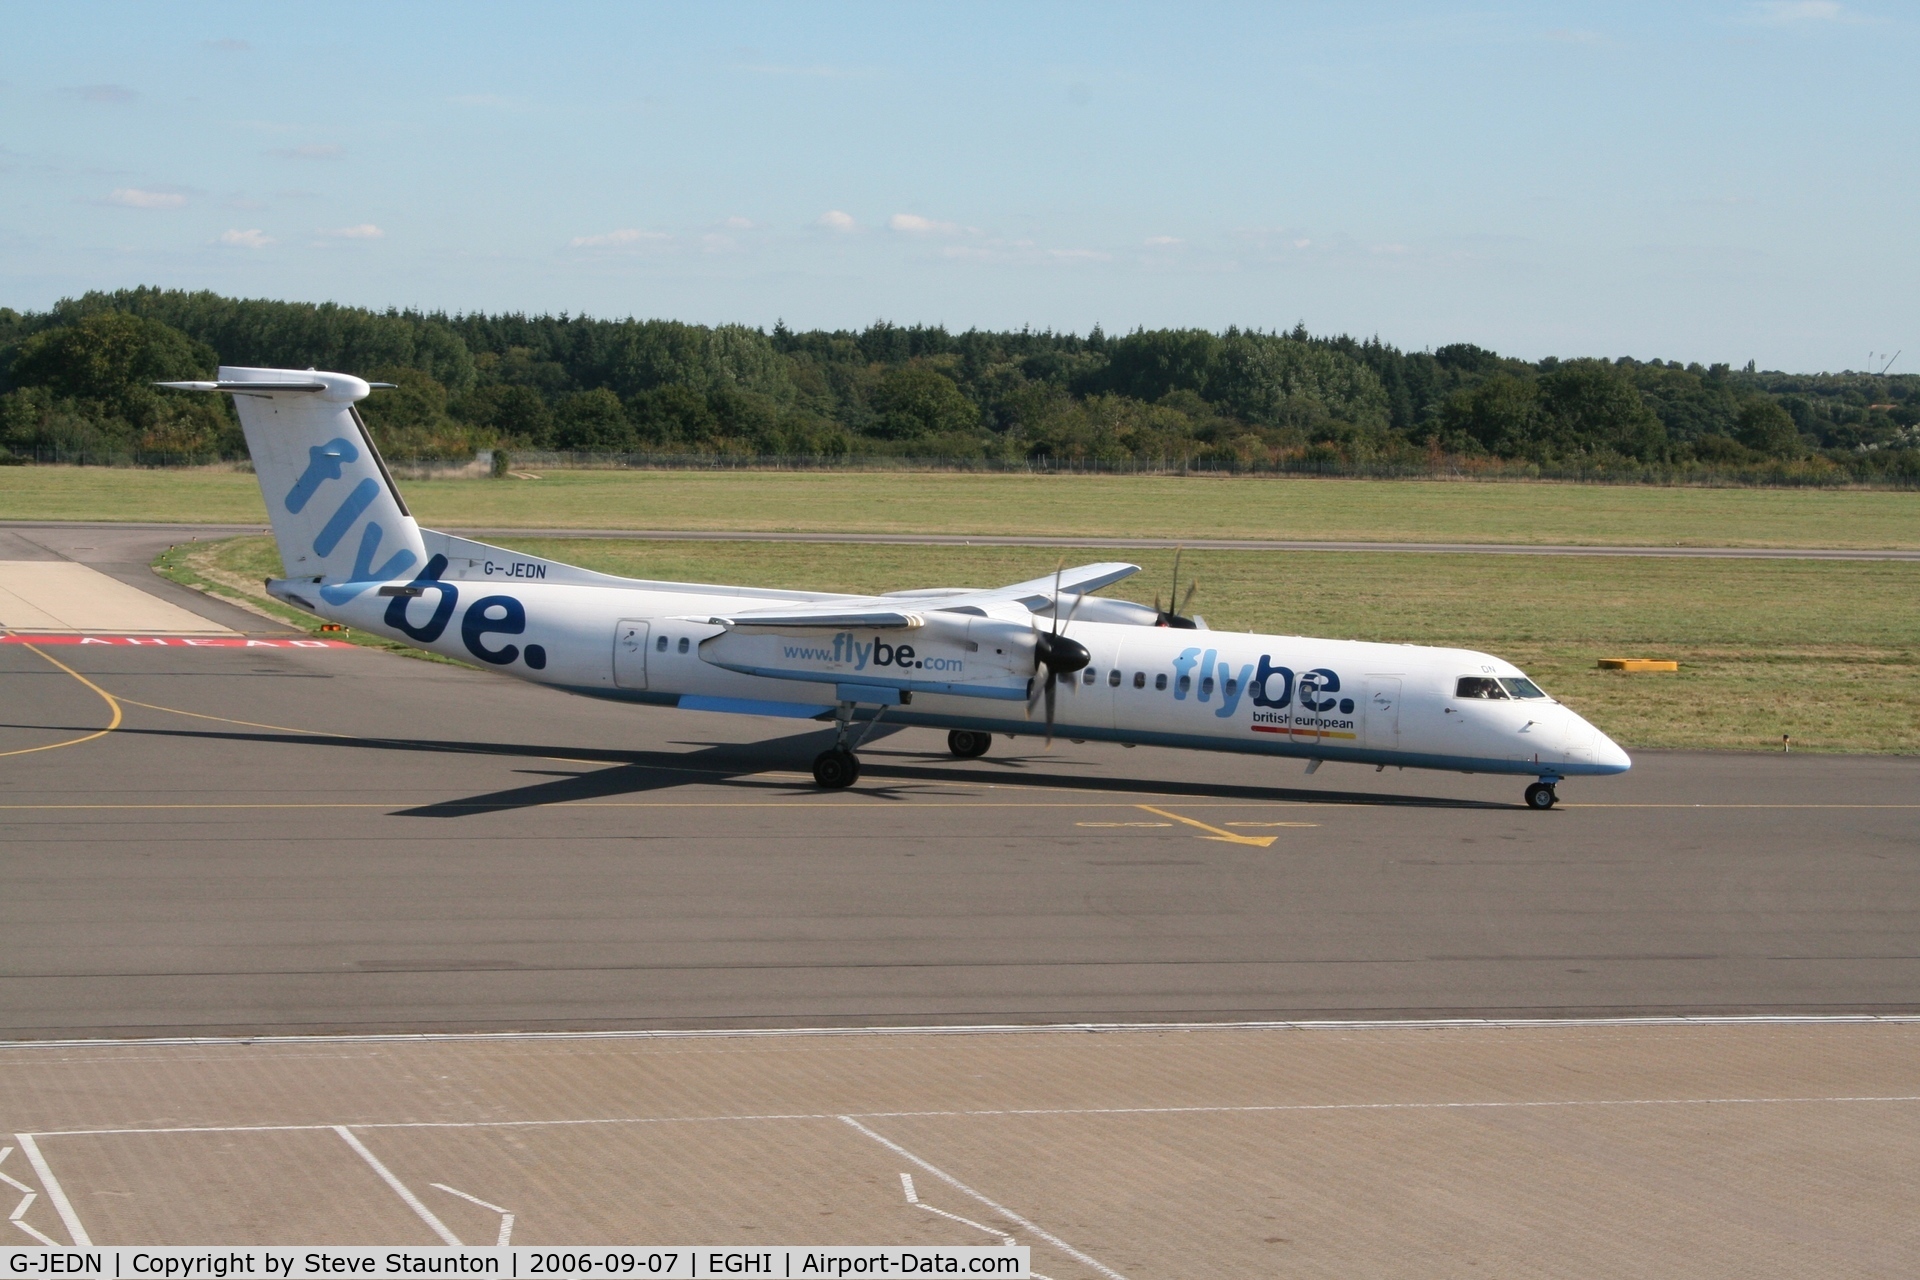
(1827, 652)
(1093, 506)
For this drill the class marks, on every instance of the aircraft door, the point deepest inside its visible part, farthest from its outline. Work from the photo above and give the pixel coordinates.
(630, 653)
(1383, 712)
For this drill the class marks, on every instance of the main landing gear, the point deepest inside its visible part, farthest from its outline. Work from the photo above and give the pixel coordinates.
(967, 744)
(1541, 794)
(838, 767)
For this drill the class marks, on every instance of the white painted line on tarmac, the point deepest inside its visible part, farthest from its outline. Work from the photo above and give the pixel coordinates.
(506, 1218)
(55, 1192)
(913, 1198)
(1000, 1029)
(26, 1202)
(1000, 1209)
(400, 1188)
(983, 1114)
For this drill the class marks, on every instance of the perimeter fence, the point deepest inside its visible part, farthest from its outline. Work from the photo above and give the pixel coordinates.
(1818, 472)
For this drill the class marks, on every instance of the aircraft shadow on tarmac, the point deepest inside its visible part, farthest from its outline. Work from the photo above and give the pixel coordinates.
(743, 764)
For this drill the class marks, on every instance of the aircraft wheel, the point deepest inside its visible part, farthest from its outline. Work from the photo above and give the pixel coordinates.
(836, 768)
(1541, 796)
(967, 744)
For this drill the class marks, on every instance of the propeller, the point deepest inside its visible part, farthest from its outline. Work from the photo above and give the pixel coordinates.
(1176, 616)
(1054, 656)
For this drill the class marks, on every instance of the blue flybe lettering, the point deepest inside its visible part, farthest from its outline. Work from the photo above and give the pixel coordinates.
(498, 615)
(364, 574)
(1232, 687)
(1272, 686)
(323, 464)
(872, 653)
(356, 504)
(442, 611)
(1206, 675)
(1182, 669)
(1321, 681)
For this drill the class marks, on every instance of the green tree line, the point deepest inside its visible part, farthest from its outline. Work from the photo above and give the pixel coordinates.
(75, 381)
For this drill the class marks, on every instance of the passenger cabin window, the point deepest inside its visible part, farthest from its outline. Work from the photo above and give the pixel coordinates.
(1160, 681)
(1206, 687)
(1485, 687)
(683, 644)
(1088, 677)
(1113, 677)
(1139, 679)
(1521, 687)
(661, 645)
(1186, 683)
(1233, 686)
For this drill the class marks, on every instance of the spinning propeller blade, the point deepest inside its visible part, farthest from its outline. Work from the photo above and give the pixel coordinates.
(1175, 615)
(1054, 656)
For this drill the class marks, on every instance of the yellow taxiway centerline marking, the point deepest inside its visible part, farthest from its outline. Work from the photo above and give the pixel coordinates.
(1220, 834)
(71, 742)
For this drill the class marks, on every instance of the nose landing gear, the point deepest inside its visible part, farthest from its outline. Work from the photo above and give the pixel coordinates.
(1541, 794)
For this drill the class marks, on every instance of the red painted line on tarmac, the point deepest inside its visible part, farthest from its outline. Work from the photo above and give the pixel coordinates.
(177, 642)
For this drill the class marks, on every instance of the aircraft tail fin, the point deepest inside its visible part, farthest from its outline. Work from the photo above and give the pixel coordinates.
(335, 510)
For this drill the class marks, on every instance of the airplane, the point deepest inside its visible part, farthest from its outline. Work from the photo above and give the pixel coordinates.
(973, 662)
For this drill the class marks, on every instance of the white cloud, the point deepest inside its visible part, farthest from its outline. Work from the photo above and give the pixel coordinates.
(914, 224)
(1782, 12)
(312, 151)
(250, 239)
(1161, 242)
(361, 231)
(739, 223)
(615, 239)
(1079, 255)
(135, 198)
(839, 221)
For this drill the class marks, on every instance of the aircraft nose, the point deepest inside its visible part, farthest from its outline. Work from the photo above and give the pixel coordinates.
(1609, 755)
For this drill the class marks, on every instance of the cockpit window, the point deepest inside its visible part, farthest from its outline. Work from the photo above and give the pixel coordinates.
(1521, 687)
(1479, 687)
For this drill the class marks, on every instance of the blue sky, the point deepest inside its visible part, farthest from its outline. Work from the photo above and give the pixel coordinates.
(1711, 181)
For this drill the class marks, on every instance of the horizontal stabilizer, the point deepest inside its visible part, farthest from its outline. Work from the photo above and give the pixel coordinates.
(252, 387)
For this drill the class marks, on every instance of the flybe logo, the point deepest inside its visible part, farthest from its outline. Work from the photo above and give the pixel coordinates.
(326, 462)
(1307, 701)
(875, 652)
(486, 617)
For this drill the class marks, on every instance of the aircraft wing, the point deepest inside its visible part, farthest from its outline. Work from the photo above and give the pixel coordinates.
(835, 617)
(1037, 593)
(972, 644)
(886, 613)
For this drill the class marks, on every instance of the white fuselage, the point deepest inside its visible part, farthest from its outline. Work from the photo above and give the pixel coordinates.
(1337, 700)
